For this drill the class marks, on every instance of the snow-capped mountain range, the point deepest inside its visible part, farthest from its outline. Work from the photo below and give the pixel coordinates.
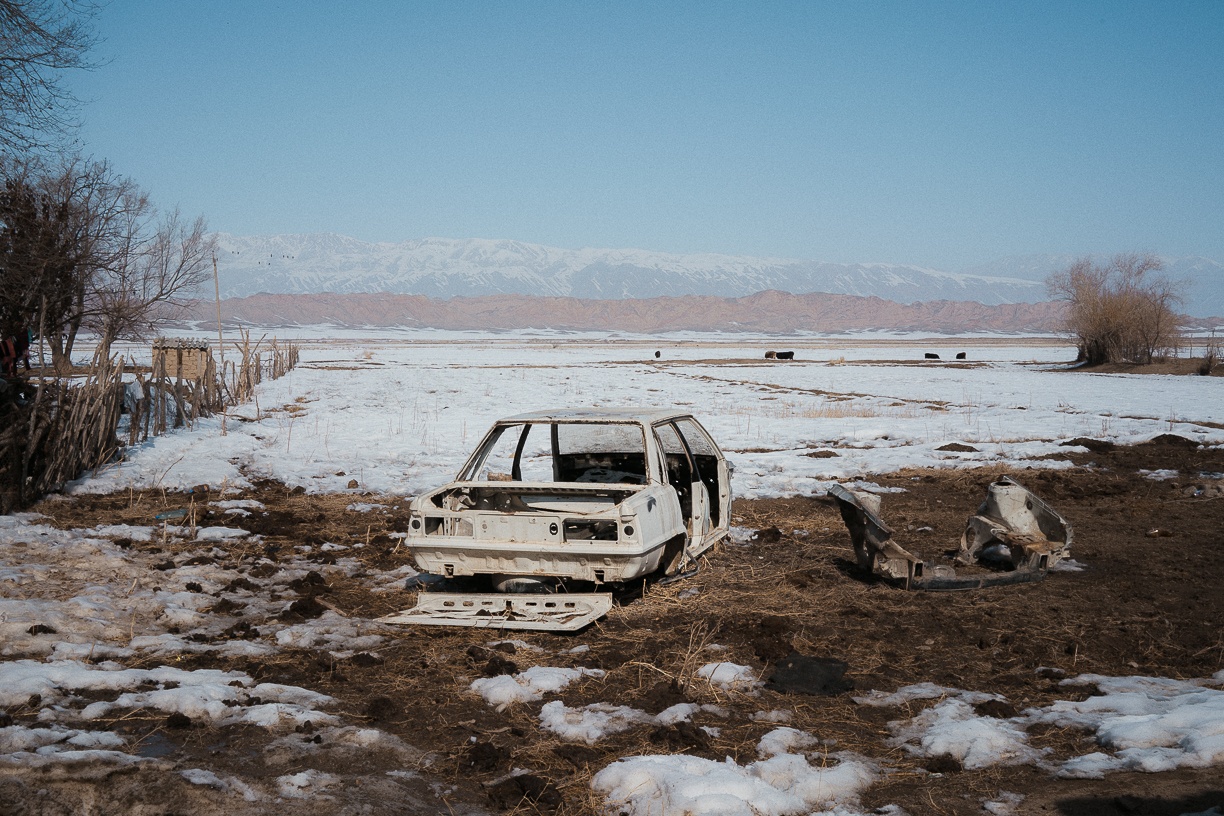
(444, 268)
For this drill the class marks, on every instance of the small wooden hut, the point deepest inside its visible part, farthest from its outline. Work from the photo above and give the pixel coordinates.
(182, 358)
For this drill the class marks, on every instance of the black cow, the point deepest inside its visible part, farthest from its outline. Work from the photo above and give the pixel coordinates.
(786, 355)
(931, 356)
(960, 355)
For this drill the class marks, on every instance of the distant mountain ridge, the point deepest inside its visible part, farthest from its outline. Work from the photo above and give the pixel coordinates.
(770, 312)
(444, 268)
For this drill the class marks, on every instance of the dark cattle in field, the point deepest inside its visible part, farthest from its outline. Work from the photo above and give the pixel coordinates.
(960, 355)
(786, 355)
(658, 354)
(771, 355)
(931, 356)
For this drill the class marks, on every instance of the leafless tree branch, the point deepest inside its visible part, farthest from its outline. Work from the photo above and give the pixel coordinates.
(82, 247)
(39, 41)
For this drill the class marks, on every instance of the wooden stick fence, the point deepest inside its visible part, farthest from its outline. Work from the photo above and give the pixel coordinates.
(164, 403)
(65, 429)
(68, 426)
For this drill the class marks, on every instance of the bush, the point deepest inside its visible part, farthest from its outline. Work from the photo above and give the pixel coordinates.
(1121, 311)
(1211, 356)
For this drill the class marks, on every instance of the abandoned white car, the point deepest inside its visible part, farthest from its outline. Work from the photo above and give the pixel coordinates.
(553, 498)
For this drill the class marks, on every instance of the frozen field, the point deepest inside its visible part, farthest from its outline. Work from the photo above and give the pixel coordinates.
(122, 638)
(401, 412)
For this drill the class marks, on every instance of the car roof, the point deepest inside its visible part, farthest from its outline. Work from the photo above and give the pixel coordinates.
(633, 415)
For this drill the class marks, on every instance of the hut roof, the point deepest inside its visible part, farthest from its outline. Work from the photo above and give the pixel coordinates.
(179, 343)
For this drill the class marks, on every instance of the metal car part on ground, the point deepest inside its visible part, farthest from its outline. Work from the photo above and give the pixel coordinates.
(554, 499)
(1014, 537)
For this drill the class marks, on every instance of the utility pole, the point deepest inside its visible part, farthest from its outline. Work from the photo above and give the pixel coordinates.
(220, 341)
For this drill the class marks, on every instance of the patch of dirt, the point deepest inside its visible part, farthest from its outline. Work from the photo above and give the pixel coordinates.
(1182, 366)
(1146, 606)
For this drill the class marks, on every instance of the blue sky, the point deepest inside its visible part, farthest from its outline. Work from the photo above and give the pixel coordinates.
(942, 134)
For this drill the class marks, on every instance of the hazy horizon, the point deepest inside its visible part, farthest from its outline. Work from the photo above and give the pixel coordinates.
(864, 261)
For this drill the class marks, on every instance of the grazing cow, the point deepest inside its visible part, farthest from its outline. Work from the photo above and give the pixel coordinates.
(960, 355)
(786, 355)
(771, 355)
(931, 356)
(14, 350)
(658, 354)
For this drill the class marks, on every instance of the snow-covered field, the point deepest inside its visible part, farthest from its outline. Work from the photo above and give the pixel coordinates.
(399, 414)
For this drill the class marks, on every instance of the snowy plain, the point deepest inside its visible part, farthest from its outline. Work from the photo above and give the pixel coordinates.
(401, 412)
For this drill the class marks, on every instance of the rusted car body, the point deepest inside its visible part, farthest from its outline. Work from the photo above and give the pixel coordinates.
(553, 498)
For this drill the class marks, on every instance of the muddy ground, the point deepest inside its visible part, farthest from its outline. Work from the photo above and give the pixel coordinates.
(1150, 601)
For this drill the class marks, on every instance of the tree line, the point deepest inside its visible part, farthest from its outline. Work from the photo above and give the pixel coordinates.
(82, 247)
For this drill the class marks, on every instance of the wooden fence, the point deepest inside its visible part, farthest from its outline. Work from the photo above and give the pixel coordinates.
(164, 403)
(54, 428)
(274, 362)
(160, 403)
(63, 429)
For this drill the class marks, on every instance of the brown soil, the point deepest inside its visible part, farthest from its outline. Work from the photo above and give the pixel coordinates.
(1183, 366)
(1146, 603)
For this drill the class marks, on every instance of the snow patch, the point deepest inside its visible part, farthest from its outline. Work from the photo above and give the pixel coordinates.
(781, 785)
(590, 723)
(730, 676)
(528, 686)
(952, 728)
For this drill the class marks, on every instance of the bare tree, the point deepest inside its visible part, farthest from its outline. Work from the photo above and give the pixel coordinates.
(158, 268)
(82, 247)
(1121, 311)
(63, 223)
(39, 41)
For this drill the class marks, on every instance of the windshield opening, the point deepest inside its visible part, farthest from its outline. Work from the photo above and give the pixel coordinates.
(606, 453)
